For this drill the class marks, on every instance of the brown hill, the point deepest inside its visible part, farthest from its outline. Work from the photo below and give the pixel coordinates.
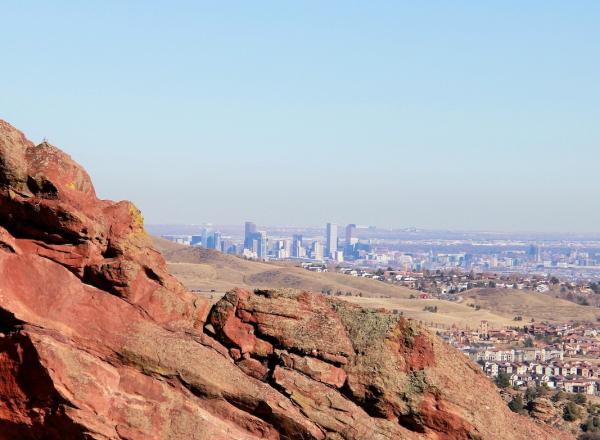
(530, 305)
(206, 269)
(98, 341)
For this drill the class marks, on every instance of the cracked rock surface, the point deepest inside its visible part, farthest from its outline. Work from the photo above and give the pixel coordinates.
(98, 341)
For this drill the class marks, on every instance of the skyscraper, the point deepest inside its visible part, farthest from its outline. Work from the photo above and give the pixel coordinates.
(249, 231)
(349, 231)
(297, 246)
(316, 252)
(331, 237)
(216, 241)
(205, 237)
(261, 244)
(210, 242)
(349, 241)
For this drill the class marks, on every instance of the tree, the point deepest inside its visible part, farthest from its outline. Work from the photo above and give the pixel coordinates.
(582, 301)
(516, 404)
(528, 342)
(542, 390)
(530, 394)
(580, 399)
(503, 380)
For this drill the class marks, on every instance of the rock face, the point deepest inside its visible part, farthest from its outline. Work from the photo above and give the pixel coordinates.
(544, 410)
(98, 341)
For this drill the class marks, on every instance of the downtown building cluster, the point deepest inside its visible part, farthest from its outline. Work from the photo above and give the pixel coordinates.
(257, 244)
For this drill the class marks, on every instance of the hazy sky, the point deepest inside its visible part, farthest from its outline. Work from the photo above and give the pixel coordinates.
(439, 114)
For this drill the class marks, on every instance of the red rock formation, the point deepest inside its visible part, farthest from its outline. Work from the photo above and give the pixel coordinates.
(98, 341)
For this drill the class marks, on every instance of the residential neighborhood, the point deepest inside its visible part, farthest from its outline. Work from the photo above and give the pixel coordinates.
(561, 357)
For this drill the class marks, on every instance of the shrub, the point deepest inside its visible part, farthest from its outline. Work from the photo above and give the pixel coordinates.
(503, 380)
(592, 425)
(531, 394)
(516, 404)
(528, 342)
(582, 301)
(542, 390)
(536, 391)
(571, 412)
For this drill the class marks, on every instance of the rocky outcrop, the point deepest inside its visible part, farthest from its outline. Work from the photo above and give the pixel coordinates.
(98, 341)
(49, 208)
(543, 409)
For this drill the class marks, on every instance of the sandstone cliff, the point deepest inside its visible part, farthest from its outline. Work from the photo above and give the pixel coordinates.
(98, 341)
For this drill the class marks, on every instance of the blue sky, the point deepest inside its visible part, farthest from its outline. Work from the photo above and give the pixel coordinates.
(440, 114)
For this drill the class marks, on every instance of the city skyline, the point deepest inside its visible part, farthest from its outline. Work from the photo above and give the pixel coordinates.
(408, 251)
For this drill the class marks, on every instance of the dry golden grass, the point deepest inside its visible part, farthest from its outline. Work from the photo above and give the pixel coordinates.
(214, 273)
(206, 270)
(448, 313)
(541, 307)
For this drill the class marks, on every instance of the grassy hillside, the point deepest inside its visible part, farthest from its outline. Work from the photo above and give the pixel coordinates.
(510, 303)
(214, 273)
(206, 270)
(448, 313)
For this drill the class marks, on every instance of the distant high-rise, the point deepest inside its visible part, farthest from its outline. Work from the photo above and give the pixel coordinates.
(331, 237)
(349, 241)
(216, 241)
(297, 249)
(260, 239)
(249, 231)
(316, 252)
(349, 231)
